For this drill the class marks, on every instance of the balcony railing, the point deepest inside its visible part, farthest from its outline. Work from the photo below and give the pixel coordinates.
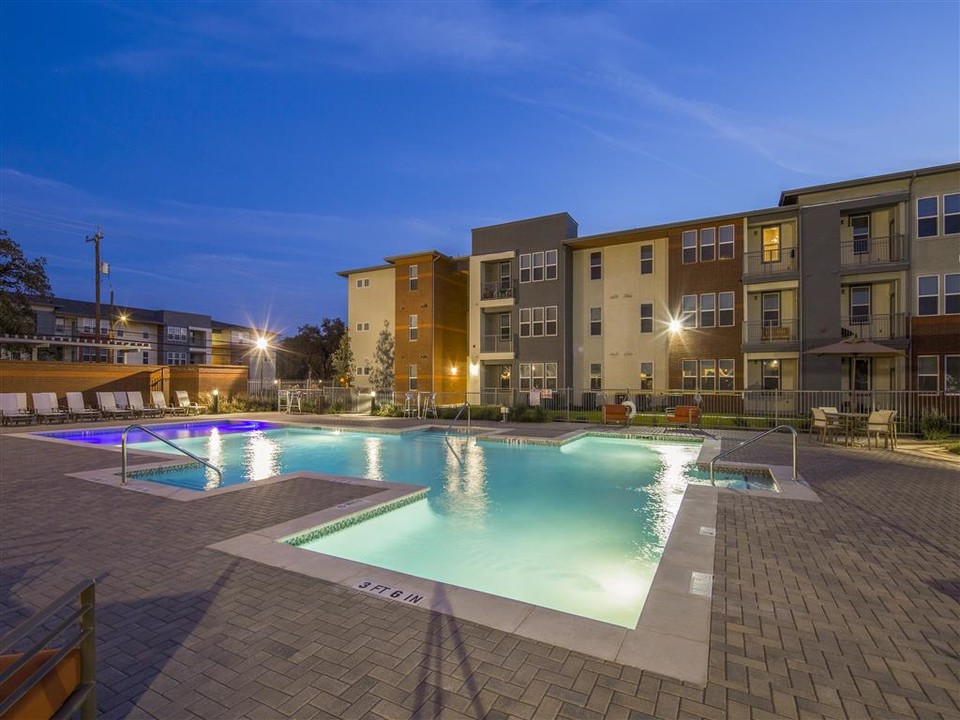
(497, 290)
(872, 251)
(891, 326)
(767, 262)
(496, 344)
(782, 331)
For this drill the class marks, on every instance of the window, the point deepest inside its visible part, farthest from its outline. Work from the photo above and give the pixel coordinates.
(538, 321)
(525, 322)
(525, 268)
(414, 275)
(771, 375)
(725, 242)
(708, 244)
(646, 376)
(862, 373)
(708, 374)
(363, 327)
(596, 377)
(861, 234)
(538, 375)
(414, 329)
(504, 277)
(146, 358)
(646, 259)
(770, 237)
(176, 334)
(363, 282)
(708, 310)
(951, 294)
(725, 317)
(727, 370)
(59, 326)
(688, 371)
(951, 214)
(119, 358)
(412, 375)
(951, 374)
(551, 315)
(87, 325)
(927, 216)
(505, 376)
(504, 326)
(551, 261)
(771, 309)
(860, 305)
(928, 379)
(538, 264)
(146, 335)
(689, 246)
(646, 317)
(596, 320)
(176, 358)
(596, 269)
(550, 376)
(688, 311)
(928, 295)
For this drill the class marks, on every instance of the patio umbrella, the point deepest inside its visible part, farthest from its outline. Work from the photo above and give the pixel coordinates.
(856, 348)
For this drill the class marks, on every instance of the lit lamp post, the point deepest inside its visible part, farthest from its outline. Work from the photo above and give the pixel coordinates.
(216, 401)
(373, 402)
(261, 349)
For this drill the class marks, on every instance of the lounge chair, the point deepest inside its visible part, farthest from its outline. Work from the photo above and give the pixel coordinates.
(880, 423)
(135, 403)
(823, 424)
(78, 410)
(183, 400)
(46, 407)
(159, 401)
(13, 409)
(108, 406)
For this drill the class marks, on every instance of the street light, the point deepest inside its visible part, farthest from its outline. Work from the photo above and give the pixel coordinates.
(261, 349)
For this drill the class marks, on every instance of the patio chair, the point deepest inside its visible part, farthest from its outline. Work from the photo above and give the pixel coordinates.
(13, 409)
(108, 406)
(78, 410)
(135, 403)
(46, 407)
(183, 400)
(430, 406)
(823, 424)
(159, 401)
(411, 408)
(880, 423)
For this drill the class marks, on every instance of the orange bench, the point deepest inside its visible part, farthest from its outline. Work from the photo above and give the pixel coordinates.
(614, 414)
(684, 415)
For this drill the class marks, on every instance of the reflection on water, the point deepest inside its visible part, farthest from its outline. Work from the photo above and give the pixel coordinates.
(465, 481)
(373, 448)
(668, 489)
(214, 453)
(261, 457)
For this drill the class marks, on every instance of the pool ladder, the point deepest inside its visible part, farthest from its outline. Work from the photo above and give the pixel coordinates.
(148, 431)
(446, 439)
(753, 440)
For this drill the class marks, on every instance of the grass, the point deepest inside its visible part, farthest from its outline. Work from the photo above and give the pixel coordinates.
(953, 448)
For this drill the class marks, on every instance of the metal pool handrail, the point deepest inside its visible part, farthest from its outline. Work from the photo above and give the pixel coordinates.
(148, 431)
(465, 406)
(753, 440)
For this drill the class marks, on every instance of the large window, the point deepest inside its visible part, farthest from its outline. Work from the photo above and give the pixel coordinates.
(725, 316)
(646, 259)
(725, 247)
(596, 267)
(526, 322)
(176, 334)
(928, 379)
(951, 374)
(538, 375)
(688, 372)
(414, 275)
(771, 375)
(596, 376)
(646, 317)
(414, 329)
(927, 217)
(504, 329)
(538, 321)
(726, 374)
(951, 294)
(596, 320)
(860, 225)
(550, 313)
(688, 311)
(708, 310)
(708, 244)
(412, 375)
(551, 264)
(176, 358)
(525, 262)
(770, 237)
(859, 304)
(646, 376)
(708, 374)
(771, 309)
(539, 265)
(928, 295)
(951, 214)
(689, 246)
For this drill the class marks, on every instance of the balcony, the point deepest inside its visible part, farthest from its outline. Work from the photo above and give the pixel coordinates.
(868, 252)
(757, 266)
(892, 326)
(771, 333)
(496, 344)
(501, 289)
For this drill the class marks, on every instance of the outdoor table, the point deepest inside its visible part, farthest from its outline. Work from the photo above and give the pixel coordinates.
(851, 422)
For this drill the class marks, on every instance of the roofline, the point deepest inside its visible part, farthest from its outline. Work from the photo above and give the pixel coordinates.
(527, 220)
(901, 175)
(406, 256)
(371, 268)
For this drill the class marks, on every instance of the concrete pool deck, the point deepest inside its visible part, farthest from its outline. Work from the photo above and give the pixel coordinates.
(849, 607)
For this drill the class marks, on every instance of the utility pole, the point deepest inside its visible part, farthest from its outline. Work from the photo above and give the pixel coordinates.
(97, 237)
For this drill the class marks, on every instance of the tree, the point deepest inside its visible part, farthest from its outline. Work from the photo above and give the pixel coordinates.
(381, 377)
(309, 352)
(342, 361)
(21, 281)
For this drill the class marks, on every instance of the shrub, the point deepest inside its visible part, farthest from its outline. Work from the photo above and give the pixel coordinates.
(524, 413)
(953, 448)
(390, 410)
(934, 425)
(237, 403)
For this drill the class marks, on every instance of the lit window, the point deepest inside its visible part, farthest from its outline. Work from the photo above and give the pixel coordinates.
(928, 379)
(414, 275)
(771, 374)
(708, 374)
(771, 243)
(708, 244)
(646, 259)
(551, 261)
(525, 322)
(727, 370)
(596, 378)
(551, 315)
(708, 310)
(646, 376)
(688, 311)
(414, 330)
(596, 269)
(538, 265)
(951, 374)
(689, 246)
(596, 320)
(525, 268)
(688, 370)
(951, 214)
(951, 294)
(646, 317)
(725, 245)
(725, 316)
(412, 375)
(928, 295)
(860, 305)
(927, 216)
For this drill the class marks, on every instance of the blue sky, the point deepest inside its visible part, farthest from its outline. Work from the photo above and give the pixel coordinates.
(238, 155)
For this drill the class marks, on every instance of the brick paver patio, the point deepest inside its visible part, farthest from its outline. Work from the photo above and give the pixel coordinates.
(845, 608)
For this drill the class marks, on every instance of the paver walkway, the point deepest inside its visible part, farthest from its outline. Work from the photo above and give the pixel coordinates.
(845, 608)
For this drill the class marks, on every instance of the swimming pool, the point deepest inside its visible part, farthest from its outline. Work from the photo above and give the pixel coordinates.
(578, 527)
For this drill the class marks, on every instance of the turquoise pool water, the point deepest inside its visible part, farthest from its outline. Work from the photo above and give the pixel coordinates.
(578, 528)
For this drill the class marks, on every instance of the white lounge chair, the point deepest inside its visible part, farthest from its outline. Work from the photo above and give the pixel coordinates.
(159, 401)
(135, 403)
(46, 407)
(108, 406)
(78, 410)
(881, 422)
(13, 409)
(183, 400)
